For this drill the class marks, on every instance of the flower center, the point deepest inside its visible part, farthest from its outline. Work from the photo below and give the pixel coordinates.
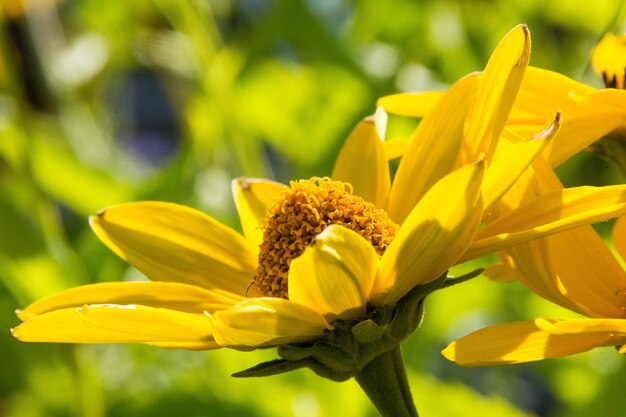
(304, 211)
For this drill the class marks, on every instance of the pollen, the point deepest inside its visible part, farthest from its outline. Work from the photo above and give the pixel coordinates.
(304, 211)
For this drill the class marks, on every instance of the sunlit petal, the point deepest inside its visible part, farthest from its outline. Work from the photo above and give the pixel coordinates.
(522, 342)
(496, 93)
(410, 104)
(511, 162)
(396, 148)
(434, 235)
(335, 275)
(548, 214)
(169, 242)
(593, 277)
(170, 295)
(115, 324)
(578, 132)
(265, 322)
(588, 114)
(252, 197)
(433, 150)
(363, 163)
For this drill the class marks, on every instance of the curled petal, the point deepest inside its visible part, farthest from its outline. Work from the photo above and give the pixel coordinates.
(334, 276)
(259, 322)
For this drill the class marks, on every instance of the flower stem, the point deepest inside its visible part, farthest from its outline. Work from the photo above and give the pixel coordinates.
(385, 383)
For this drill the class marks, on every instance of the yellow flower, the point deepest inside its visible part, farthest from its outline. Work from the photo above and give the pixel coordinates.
(574, 269)
(609, 59)
(323, 252)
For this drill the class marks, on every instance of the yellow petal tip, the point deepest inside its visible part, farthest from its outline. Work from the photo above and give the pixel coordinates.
(549, 130)
(449, 352)
(14, 333)
(22, 315)
(95, 218)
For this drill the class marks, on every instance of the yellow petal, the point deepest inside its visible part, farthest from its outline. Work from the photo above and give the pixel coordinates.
(521, 342)
(267, 322)
(252, 198)
(609, 59)
(498, 273)
(410, 104)
(496, 93)
(115, 324)
(170, 295)
(579, 132)
(531, 263)
(396, 148)
(588, 114)
(614, 326)
(433, 150)
(619, 236)
(334, 276)
(169, 242)
(187, 345)
(363, 163)
(510, 164)
(433, 237)
(548, 214)
(542, 94)
(573, 269)
(590, 274)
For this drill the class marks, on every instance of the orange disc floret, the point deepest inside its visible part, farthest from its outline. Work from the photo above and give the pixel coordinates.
(304, 211)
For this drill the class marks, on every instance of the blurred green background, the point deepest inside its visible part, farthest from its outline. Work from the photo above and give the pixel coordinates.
(103, 102)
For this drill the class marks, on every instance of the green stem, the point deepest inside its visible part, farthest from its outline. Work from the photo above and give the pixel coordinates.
(385, 383)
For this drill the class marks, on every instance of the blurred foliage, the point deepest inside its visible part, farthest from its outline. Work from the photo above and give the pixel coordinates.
(106, 102)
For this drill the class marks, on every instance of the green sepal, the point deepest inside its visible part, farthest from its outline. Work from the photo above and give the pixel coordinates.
(274, 367)
(367, 331)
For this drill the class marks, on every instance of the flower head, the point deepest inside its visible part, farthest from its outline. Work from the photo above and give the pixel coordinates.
(300, 214)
